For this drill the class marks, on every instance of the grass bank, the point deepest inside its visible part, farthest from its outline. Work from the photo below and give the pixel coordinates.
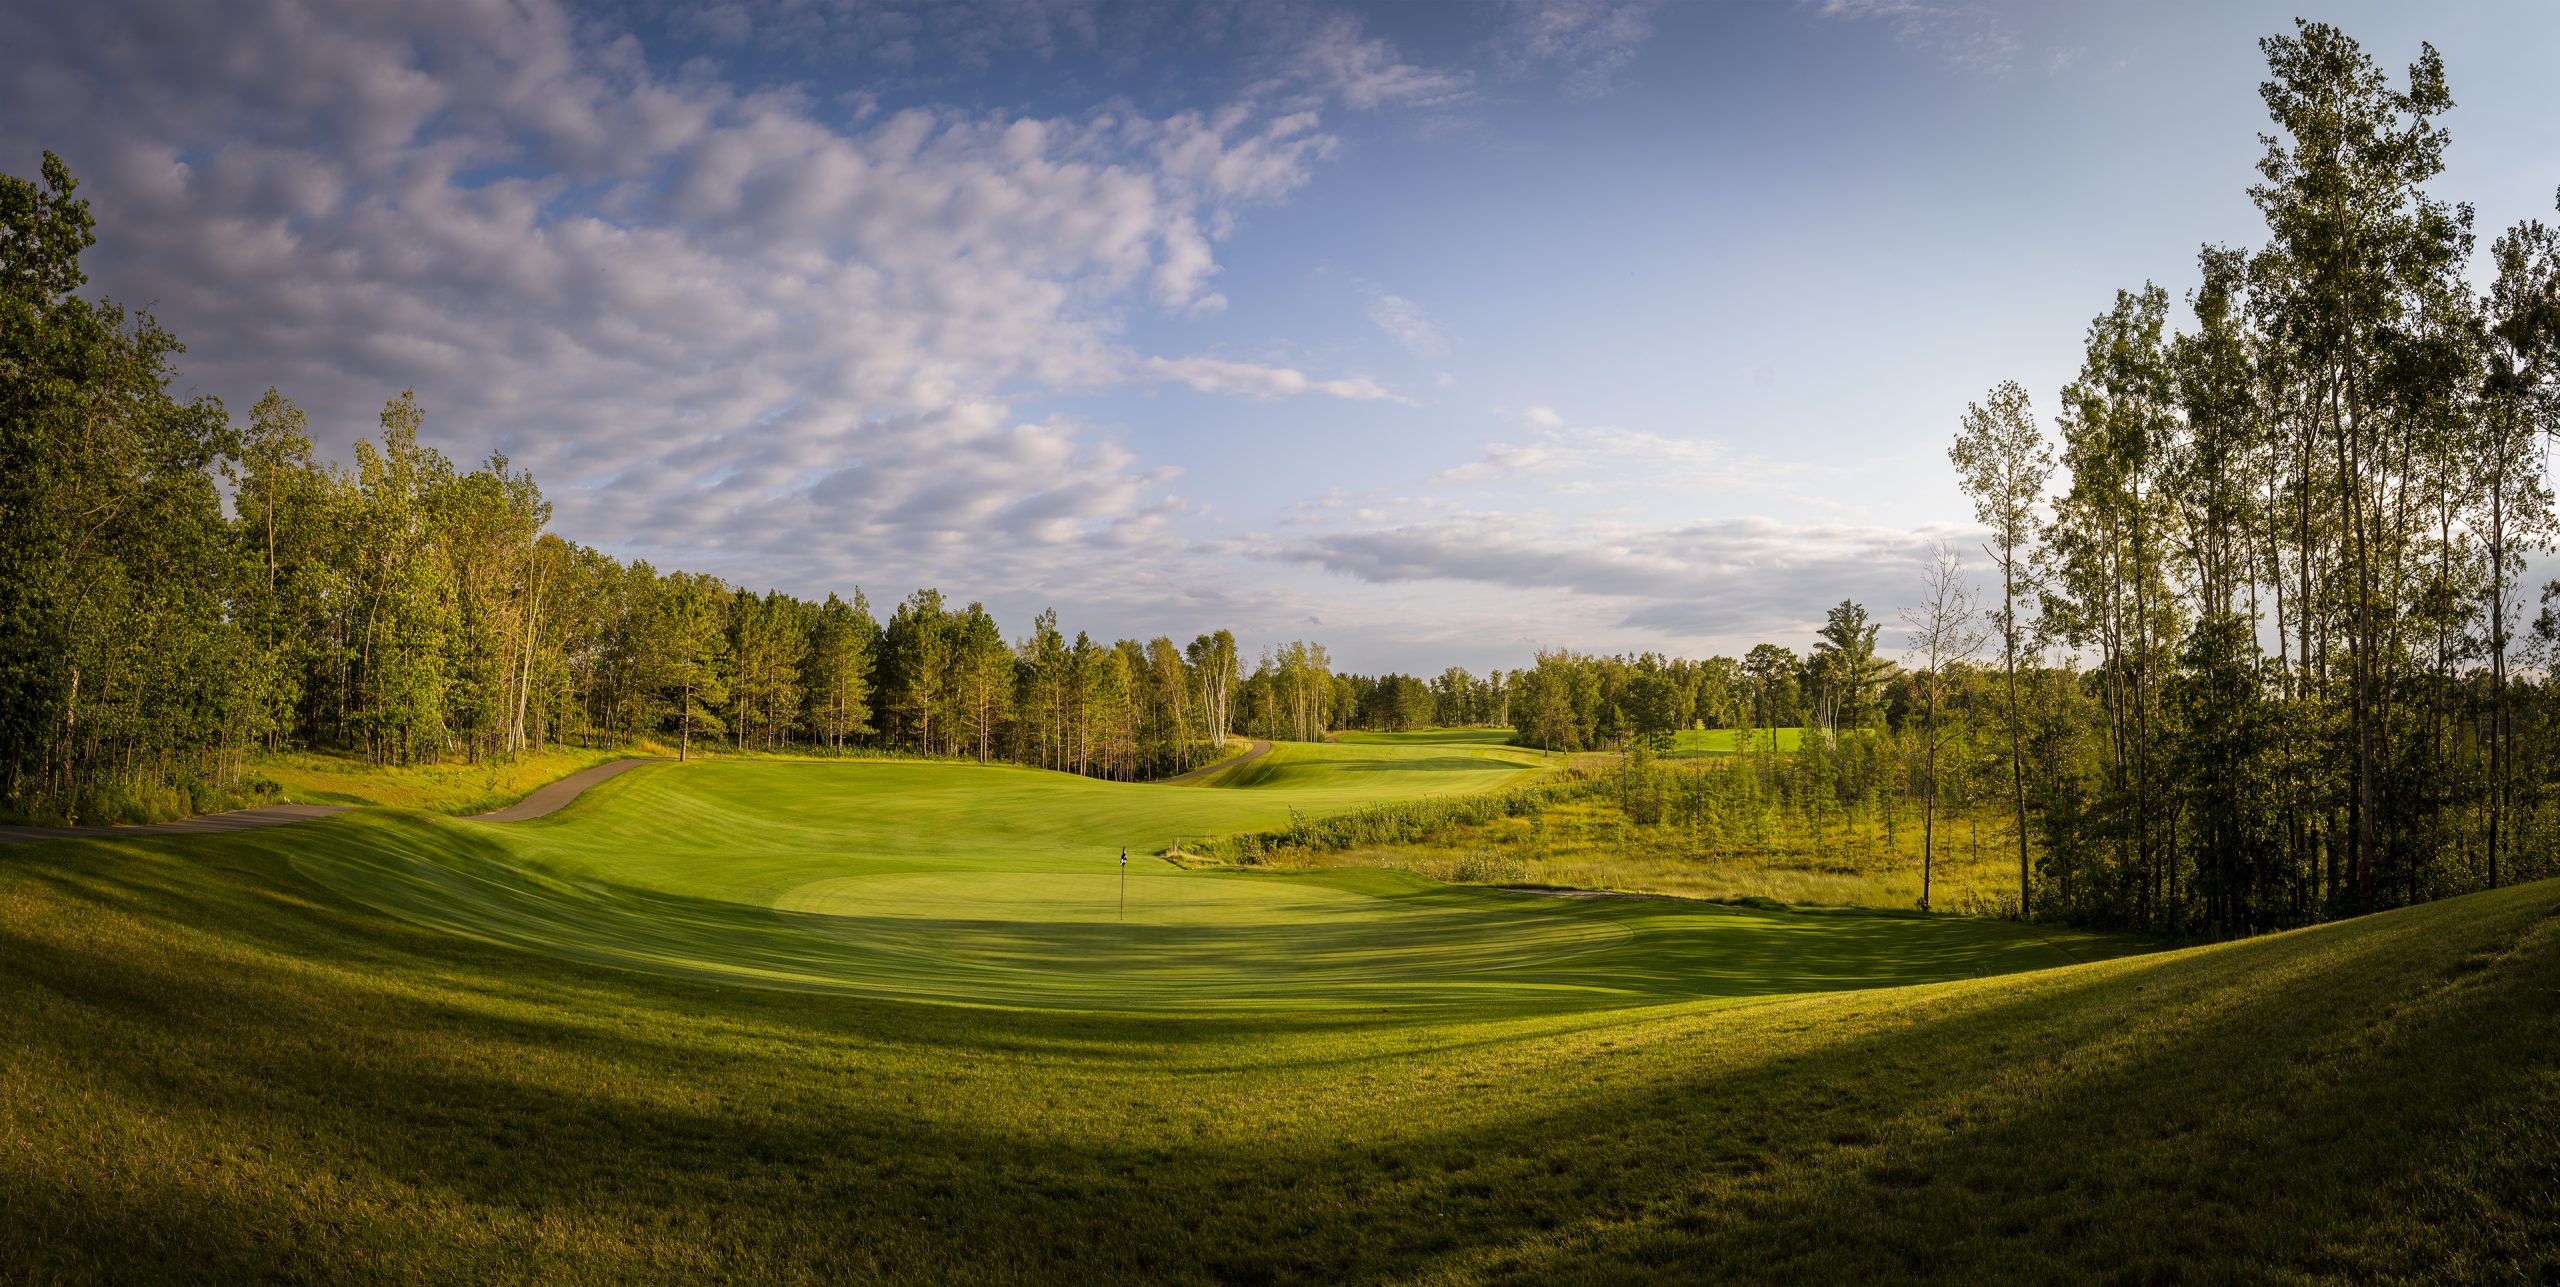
(777, 1022)
(215, 1067)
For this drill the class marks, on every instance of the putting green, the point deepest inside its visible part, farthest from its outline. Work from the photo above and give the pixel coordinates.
(1002, 886)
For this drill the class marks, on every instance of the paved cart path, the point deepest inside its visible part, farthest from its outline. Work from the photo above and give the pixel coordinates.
(552, 798)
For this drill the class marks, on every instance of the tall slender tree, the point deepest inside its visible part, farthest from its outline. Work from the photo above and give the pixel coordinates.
(2003, 461)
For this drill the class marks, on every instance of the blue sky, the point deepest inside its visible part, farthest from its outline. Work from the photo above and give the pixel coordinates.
(1438, 333)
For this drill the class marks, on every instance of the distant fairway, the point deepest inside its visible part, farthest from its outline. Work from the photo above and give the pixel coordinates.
(383, 1047)
(1691, 742)
(1000, 885)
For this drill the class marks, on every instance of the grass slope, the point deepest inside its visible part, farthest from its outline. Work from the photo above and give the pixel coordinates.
(313, 777)
(222, 1059)
(996, 885)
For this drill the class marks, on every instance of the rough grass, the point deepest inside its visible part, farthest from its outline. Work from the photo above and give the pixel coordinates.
(221, 1059)
(455, 787)
(1588, 843)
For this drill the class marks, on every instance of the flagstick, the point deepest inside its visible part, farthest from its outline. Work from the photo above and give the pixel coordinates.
(1124, 885)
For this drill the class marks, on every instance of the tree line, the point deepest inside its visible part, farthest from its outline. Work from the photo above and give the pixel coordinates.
(2291, 541)
(2263, 649)
(410, 609)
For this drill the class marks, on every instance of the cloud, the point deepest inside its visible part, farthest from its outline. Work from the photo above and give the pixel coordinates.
(1335, 57)
(1732, 579)
(1218, 375)
(1586, 43)
(1404, 321)
(1308, 54)
(726, 325)
(1574, 459)
(1968, 35)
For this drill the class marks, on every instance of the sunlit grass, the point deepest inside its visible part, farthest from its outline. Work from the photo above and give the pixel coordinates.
(1855, 862)
(453, 786)
(656, 1038)
(1691, 742)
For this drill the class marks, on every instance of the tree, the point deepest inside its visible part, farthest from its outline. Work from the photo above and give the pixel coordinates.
(2107, 588)
(1213, 662)
(2351, 235)
(985, 677)
(1843, 671)
(2003, 462)
(1772, 672)
(917, 651)
(1946, 634)
(1545, 707)
(839, 670)
(2520, 408)
(695, 657)
(273, 481)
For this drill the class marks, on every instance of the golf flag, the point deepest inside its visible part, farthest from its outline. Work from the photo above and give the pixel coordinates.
(1124, 855)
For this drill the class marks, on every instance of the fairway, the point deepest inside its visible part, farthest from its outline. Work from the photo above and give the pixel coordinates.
(1002, 886)
(1690, 743)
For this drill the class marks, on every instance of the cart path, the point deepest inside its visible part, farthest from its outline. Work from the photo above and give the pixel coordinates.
(1260, 748)
(552, 797)
(545, 800)
(274, 815)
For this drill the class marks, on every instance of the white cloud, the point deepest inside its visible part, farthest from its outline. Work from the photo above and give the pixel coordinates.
(1406, 323)
(1968, 35)
(1574, 459)
(1337, 58)
(1218, 375)
(726, 326)
(1587, 42)
(1727, 580)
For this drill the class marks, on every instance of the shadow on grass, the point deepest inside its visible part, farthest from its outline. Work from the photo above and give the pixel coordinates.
(1405, 942)
(218, 1071)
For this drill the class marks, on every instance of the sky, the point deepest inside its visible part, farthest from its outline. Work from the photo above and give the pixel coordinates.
(1437, 333)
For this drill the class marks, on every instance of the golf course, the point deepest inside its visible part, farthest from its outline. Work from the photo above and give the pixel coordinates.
(770, 1020)
(1000, 885)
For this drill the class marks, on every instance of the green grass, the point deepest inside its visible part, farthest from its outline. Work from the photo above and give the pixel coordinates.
(316, 777)
(1367, 768)
(1486, 736)
(658, 1037)
(1692, 742)
(998, 885)
(1589, 843)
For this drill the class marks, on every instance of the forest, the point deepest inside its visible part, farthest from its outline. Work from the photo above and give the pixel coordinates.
(2256, 642)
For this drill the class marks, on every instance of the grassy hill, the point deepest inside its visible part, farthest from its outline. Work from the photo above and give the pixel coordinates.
(659, 1036)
